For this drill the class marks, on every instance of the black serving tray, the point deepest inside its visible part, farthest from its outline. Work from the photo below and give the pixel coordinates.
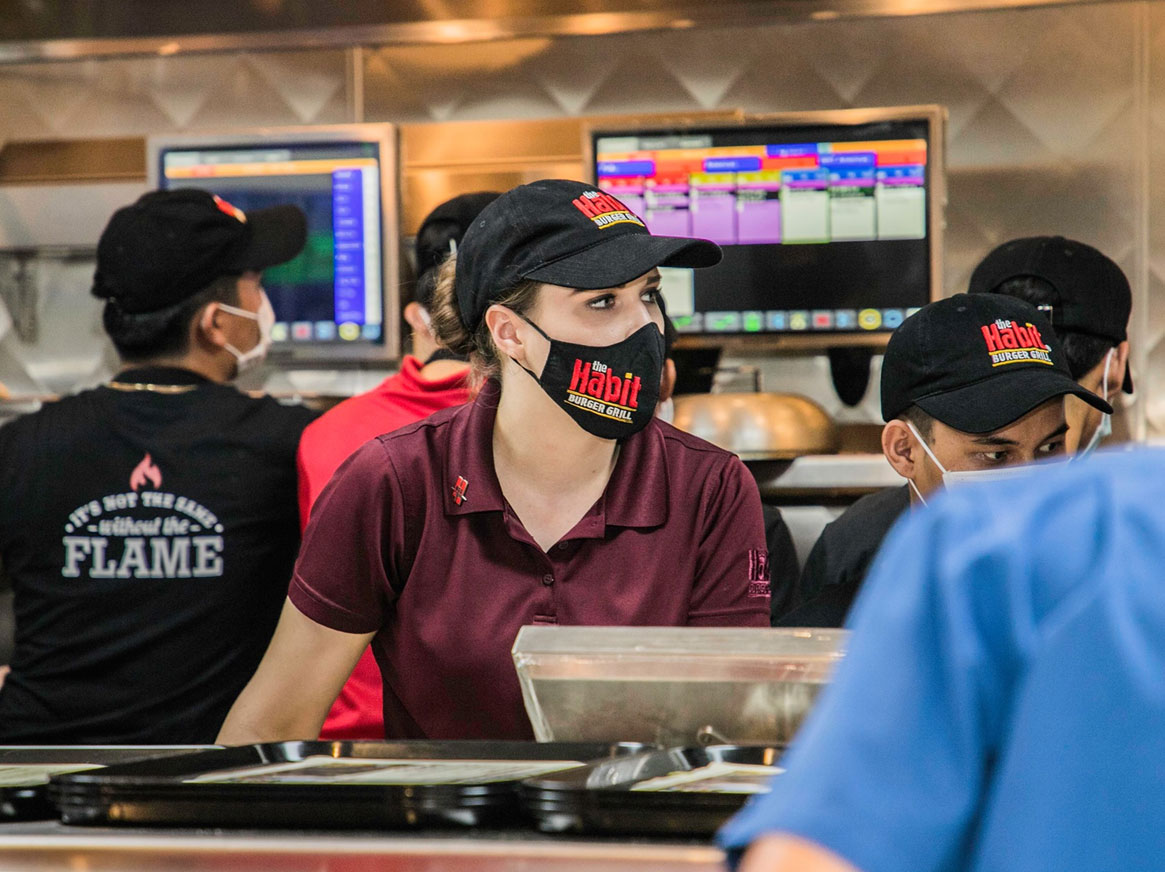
(159, 792)
(29, 800)
(599, 798)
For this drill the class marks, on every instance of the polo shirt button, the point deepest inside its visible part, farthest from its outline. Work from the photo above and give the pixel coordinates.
(548, 579)
(562, 546)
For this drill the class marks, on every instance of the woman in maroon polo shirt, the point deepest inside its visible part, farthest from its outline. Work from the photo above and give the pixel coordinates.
(555, 497)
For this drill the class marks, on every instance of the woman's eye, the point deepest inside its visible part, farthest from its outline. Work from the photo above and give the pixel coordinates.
(606, 301)
(995, 456)
(1052, 447)
(651, 296)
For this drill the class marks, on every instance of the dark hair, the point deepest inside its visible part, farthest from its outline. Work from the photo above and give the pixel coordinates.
(433, 248)
(478, 344)
(1083, 351)
(922, 422)
(165, 333)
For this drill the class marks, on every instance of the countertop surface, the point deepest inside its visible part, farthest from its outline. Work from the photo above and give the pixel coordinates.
(43, 845)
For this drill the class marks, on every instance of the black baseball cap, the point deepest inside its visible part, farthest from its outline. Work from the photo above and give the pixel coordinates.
(1094, 294)
(170, 245)
(563, 233)
(976, 362)
(446, 224)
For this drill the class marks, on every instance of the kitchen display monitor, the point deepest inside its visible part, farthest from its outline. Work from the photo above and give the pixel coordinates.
(329, 301)
(828, 220)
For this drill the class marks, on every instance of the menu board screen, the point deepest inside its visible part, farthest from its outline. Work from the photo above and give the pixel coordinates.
(331, 301)
(331, 292)
(825, 228)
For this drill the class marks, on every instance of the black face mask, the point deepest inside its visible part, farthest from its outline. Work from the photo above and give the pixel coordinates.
(610, 391)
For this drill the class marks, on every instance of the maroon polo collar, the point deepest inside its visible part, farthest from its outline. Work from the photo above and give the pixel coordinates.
(636, 495)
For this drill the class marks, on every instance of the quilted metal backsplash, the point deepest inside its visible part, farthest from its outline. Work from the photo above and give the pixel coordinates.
(1057, 124)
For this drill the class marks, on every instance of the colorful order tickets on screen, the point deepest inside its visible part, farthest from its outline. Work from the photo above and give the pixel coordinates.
(785, 193)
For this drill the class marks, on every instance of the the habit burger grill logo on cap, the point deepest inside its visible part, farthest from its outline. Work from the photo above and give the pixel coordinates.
(604, 209)
(1008, 342)
(596, 389)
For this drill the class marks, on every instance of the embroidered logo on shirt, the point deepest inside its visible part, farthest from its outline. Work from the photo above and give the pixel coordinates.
(758, 573)
(459, 491)
(1008, 342)
(145, 471)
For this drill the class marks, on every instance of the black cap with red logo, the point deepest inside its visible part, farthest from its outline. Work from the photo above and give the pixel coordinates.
(562, 233)
(170, 245)
(1092, 293)
(977, 363)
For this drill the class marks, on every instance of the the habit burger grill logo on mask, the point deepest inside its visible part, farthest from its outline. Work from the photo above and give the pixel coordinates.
(585, 381)
(1008, 342)
(604, 209)
(594, 387)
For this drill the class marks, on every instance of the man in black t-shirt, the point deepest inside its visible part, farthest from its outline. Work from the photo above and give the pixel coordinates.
(971, 386)
(149, 526)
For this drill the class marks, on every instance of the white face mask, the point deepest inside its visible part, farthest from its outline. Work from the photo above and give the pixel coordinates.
(953, 478)
(1104, 428)
(266, 318)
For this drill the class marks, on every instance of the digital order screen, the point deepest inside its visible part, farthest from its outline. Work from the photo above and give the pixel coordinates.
(824, 228)
(332, 292)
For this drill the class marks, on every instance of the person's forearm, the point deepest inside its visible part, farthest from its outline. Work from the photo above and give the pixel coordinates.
(783, 853)
(257, 717)
(290, 694)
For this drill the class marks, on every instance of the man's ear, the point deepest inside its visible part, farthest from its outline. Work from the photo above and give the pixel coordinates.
(206, 331)
(900, 448)
(1120, 363)
(667, 381)
(414, 315)
(503, 325)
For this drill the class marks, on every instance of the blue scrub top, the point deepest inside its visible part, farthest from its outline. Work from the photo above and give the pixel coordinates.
(1002, 704)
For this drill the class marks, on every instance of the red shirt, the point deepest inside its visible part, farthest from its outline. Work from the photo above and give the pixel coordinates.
(399, 400)
(414, 541)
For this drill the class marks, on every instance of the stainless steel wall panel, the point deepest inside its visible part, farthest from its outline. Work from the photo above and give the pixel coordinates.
(1055, 125)
(1151, 376)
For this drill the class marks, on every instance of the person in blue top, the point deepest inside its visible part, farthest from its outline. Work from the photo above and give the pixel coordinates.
(1002, 703)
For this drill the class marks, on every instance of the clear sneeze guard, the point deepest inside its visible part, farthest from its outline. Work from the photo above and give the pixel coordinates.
(672, 685)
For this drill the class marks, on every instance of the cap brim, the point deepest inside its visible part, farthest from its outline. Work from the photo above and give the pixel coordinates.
(995, 402)
(620, 259)
(277, 235)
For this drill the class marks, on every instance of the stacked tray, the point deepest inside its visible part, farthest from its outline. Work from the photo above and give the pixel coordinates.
(324, 784)
(675, 792)
(25, 771)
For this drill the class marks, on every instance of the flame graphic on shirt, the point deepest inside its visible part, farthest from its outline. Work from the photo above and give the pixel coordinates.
(146, 470)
